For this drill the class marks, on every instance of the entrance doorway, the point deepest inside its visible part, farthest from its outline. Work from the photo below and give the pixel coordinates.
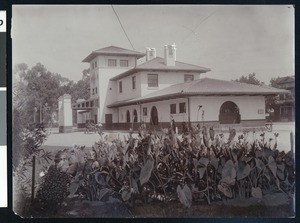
(135, 117)
(229, 113)
(128, 116)
(108, 121)
(154, 116)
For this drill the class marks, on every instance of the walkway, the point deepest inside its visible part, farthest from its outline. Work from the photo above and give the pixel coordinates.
(80, 138)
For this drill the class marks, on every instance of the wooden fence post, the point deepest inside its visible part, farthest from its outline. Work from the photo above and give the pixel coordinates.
(33, 179)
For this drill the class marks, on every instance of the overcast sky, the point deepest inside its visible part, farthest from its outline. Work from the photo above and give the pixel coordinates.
(230, 40)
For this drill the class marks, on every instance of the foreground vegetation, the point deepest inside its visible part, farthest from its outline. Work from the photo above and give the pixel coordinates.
(192, 167)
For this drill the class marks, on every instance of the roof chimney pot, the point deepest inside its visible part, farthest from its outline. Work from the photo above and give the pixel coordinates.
(150, 53)
(170, 54)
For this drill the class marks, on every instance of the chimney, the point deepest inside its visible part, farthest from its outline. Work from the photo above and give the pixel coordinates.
(150, 53)
(170, 54)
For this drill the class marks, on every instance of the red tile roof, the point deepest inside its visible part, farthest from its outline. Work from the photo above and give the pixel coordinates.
(112, 50)
(157, 64)
(204, 87)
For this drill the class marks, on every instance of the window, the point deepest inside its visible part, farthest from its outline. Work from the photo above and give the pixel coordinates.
(182, 107)
(133, 82)
(120, 87)
(112, 62)
(92, 103)
(145, 111)
(260, 111)
(87, 104)
(123, 63)
(95, 64)
(82, 105)
(152, 80)
(95, 90)
(173, 108)
(188, 77)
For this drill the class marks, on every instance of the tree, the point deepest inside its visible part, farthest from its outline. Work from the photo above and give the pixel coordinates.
(270, 101)
(80, 90)
(250, 79)
(36, 91)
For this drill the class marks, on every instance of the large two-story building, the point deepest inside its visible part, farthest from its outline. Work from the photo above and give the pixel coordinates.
(125, 93)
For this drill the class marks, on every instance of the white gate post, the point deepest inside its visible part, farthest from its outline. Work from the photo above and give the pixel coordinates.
(65, 116)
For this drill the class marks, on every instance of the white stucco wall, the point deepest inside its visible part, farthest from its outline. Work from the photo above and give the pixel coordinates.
(127, 91)
(123, 112)
(165, 79)
(163, 109)
(102, 60)
(248, 105)
(107, 90)
(65, 111)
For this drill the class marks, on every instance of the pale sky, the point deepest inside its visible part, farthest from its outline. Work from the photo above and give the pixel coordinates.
(230, 40)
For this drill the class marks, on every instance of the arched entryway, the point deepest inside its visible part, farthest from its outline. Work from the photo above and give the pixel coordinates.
(154, 116)
(128, 116)
(135, 116)
(229, 113)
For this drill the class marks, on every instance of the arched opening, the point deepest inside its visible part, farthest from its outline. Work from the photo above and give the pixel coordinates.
(229, 113)
(128, 116)
(154, 116)
(135, 116)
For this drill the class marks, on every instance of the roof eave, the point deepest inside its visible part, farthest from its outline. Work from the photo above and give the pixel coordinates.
(187, 94)
(94, 54)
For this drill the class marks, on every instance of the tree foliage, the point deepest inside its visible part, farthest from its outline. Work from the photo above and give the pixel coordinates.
(37, 90)
(35, 94)
(250, 79)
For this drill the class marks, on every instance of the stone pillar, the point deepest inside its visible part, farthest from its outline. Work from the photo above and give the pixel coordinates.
(65, 116)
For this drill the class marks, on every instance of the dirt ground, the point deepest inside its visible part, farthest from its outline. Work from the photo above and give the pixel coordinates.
(275, 206)
(271, 206)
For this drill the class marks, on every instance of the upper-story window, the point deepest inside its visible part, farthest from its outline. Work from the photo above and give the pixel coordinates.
(182, 107)
(152, 80)
(120, 87)
(94, 65)
(96, 90)
(173, 108)
(123, 63)
(188, 77)
(133, 82)
(112, 62)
